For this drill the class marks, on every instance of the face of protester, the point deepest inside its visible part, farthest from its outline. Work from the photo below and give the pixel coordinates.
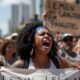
(67, 42)
(43, 41)
(74, 41)
(9, 49)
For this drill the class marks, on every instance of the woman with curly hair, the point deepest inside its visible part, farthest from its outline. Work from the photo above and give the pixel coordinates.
(36, 48)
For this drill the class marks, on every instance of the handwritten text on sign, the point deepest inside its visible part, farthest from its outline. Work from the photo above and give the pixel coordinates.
(63, 16)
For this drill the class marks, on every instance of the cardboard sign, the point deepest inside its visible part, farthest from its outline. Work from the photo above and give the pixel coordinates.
(40, 74)
(62, 16)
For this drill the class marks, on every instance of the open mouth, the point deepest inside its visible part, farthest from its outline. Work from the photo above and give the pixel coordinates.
(46, 44)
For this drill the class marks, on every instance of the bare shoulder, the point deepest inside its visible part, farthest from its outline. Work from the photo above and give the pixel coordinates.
(18, 64)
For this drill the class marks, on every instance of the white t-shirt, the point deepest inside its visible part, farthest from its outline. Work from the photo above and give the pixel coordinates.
(31, 65)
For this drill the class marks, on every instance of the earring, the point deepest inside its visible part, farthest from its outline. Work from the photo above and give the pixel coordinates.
(32, 51)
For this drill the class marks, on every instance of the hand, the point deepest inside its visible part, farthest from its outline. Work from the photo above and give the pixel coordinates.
(45, 14)
(77, 66)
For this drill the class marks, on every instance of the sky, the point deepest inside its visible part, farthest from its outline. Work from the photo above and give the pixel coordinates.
(5, 12)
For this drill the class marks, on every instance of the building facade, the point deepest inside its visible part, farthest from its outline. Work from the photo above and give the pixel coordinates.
(32, 8)
(19, 15)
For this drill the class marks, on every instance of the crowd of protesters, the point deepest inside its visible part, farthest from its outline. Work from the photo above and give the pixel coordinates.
(69, 47)
(35, 47)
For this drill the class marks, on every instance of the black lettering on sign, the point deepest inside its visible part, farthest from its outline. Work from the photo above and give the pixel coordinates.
(60, 5)
(66, 7)
(66, 14)
(63, 15)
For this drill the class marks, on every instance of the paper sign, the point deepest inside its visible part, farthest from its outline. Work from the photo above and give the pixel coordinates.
(62, 16)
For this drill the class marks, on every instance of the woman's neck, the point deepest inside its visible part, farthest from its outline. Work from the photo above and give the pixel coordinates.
(41, 60)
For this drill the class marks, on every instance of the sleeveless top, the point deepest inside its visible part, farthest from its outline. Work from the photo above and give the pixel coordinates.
(31, 65)
(54, 63)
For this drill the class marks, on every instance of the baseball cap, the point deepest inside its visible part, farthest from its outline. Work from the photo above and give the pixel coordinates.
(67, 37)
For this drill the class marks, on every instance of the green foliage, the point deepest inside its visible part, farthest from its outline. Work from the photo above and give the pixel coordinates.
(17, 30)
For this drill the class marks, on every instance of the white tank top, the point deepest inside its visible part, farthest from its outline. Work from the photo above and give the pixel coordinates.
(31, 65)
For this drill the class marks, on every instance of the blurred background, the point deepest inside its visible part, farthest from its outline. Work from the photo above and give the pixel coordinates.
(13, 13)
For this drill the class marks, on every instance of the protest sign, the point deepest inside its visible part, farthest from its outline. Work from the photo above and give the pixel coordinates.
(62, 16)
(40, 74)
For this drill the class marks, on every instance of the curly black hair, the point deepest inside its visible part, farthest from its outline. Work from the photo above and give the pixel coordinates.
(25, 40)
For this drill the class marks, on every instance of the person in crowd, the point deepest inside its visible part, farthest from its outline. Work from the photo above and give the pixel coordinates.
(14, 36)
(65, 44)
(8, 52)
(57, 37)
(37, 49)
(3, 61)
(77, 47)
(1, 43)
(75, 41)
(67, 48)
